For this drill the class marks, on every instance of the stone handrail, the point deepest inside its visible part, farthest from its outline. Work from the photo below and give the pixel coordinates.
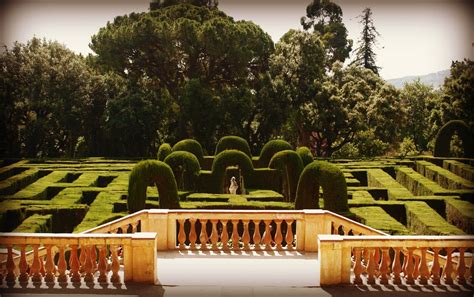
(370, 255)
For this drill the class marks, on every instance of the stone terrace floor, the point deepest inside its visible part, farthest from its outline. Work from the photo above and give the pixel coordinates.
(231, 274)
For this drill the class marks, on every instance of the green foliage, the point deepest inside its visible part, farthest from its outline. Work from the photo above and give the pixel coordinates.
(147, 173)
(233, 143)
(189, 145)
(443, 139)
(270, 149)
(290, 165)
(330, 178)
(185, 168)
(364, 53)
(368, 145)
(305, 155)
(36, 224)
(230, 158)
(407, 148)
(163, 151)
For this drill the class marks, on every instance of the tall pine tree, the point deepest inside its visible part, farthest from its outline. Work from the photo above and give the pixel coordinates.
(365, 55)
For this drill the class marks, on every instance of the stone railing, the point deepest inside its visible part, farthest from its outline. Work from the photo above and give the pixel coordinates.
(395, 259)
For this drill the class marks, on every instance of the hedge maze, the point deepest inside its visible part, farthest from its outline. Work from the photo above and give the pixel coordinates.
(421, 195)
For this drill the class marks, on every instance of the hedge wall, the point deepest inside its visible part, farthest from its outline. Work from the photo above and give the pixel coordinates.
(305, 155)
(270, 149)
(190, 145)
(230, 158)
(185, 168)
(163, 151)
(290, 165)
(233, 143)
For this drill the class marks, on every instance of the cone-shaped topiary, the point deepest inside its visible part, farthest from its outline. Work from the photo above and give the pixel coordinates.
(147, 173)
(233, 143)
(305, 154)
(230, 158)
(163, 151)
(271, 148)
(330, 178)
(190, 145)
(289, 164)
(185, 167)
(443, 139)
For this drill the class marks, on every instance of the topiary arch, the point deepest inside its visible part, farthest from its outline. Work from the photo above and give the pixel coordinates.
(330, 178)
(230, 158)
(305, 154)
(190, 145)
(270, 149)
(147, 173)
(233, 143)
(185, 168)
(443, 139)
(290, 165)
(163, 151)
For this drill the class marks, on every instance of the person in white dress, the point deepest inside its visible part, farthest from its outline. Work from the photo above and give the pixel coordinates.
(233, 186)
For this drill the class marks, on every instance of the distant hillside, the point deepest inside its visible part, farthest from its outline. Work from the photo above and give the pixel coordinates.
(435, 79)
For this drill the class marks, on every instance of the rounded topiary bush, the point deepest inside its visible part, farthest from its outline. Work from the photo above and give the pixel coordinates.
(147, 173)
(190, 145)
(330, 178)
(443, 139)
(305, 155)
(271, 148)
(230, 158)
(163, 151)
(233, 143)
(185, 167)
(289, 164)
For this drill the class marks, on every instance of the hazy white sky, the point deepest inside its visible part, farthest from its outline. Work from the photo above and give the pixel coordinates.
(417, 36)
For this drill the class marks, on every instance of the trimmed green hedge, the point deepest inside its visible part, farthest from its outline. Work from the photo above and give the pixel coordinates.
(270, 149)
(463, 170)
(233, 143)
(230, 158)
(330, 178)
(381, 179)
(305, 155)
(190, 145)
(442, 176)
(36, 224)
(461, 214)
(185, 167)
(443, 139)
(376, 217)
(422, 219)
(147, 173)
(290, 165)
(163, 151)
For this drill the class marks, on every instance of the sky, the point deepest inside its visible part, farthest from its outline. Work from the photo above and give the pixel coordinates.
(416, 36)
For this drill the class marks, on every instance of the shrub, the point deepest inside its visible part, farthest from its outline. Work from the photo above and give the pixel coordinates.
(271, 148)
(290, 165)
(408, 148)
(147, 173)
(230, 158)
(190, 145)
(330, 178)
(305, 155)
(163, 151)
(233, 143)
(185, 167)
(443, 139)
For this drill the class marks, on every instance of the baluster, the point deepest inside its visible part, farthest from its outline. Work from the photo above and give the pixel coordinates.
(181, 234)
(358, 268)
(23, 266)
(42, 270)
(424, 272)
(377, 261)
(224, 236)
(115, 279)
(461, 268)
(94, 259)
(62, 266)
(396, 268)
(246, 235)
(405, 261)
(102, 266)
(36, 266)
(82, 258)
(88, 266)
(10, 278)
(371, 267)
(435, 269)
(278, 235)
(448, 268)
(384, 266)
(192, 234)
(214, 235)
(235, 235)
(471, 268)
(365, 259)
(256, 235)
(410, 267)
(49, 266)
(203, 236)
(74, 265)
(267, 236)
(416, 271)
(289, 235)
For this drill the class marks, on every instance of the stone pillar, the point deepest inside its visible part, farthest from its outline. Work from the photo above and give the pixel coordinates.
(158, 223)
(331, 260)
(315, 224)
(143, 253)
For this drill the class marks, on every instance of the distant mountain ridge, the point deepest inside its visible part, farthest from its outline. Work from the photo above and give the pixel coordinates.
(435, 79)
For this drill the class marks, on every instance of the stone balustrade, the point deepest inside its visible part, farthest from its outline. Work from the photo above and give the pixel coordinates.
(395, 259)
